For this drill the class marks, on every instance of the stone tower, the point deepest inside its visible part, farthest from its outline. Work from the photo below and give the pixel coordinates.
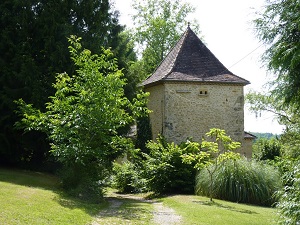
(191, 91)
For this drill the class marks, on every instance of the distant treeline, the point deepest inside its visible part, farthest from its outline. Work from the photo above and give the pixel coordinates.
(265, 135)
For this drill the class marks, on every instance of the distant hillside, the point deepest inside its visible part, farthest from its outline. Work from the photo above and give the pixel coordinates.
(264, 135)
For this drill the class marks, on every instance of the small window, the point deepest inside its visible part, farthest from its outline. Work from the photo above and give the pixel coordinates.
(203, 92)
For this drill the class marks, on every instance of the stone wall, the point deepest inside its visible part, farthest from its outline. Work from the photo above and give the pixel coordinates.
(247, 148)
(155, 103)
(182, 110)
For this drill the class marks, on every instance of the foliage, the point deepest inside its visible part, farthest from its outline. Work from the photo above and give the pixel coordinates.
(209, 155)
(33, 49)
(289, 197)
(164, 170)
(83, 117)
(264, 149)
(260, 135)
(144, 133)
(267, 102)
(241, 181)
(158, 24)
(278, 26)
(286, 115)
(127, 178)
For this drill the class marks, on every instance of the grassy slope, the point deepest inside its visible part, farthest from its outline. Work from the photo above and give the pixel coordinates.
(199, 210)
(33, 198)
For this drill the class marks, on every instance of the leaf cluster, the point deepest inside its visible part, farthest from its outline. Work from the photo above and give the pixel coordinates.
(82, 119)
(158, 24)
(289, 197)
(264, 149)
(163, 167)
(219, 148)
(278, 26)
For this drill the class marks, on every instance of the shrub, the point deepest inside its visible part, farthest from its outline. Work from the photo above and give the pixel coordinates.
(209, 155)
(265, 149)
(289, 197)
(164, 170)
(127, 178)
(241, 181)
(84, 182)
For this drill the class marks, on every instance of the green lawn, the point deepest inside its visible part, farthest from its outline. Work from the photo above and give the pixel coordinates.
(199, 210)
(35, 199)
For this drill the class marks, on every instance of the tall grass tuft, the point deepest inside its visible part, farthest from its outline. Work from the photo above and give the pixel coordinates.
(241, 181)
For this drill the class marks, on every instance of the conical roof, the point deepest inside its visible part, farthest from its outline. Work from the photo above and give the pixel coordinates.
(190, 60)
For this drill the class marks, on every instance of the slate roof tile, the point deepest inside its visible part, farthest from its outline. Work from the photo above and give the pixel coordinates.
(190, 60)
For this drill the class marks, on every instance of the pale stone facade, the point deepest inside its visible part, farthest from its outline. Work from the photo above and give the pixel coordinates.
(182, 110)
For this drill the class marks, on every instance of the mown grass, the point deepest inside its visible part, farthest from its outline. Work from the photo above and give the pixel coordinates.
(35, 198)
(199, 210)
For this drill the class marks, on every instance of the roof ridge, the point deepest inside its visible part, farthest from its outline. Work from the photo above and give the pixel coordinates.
(183, 38)
(170, 51)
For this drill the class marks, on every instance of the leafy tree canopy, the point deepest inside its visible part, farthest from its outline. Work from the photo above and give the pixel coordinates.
(278, 26)
(158, 24)
(34, 48)
(83, 117)
(286, 115)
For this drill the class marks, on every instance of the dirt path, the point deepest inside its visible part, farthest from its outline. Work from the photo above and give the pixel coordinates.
(161, 214)
(164, 215)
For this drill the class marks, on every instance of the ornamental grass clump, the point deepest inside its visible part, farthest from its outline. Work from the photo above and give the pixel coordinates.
(241, 181)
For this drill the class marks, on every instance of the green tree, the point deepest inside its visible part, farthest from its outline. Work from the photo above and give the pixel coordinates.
(278, 26)
(212, 153)
(286, 115)
(289, 197)
(164, 170)
(83, 117)
(33, 49)
(267, 149)
(158, 25)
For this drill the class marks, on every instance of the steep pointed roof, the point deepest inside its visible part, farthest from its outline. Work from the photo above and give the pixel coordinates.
(190, 60)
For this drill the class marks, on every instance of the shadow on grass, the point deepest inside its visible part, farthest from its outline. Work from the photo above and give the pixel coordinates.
(128, 209)
(212, 203)
(29, 179)
(70, 202)
(125, 209)
(51, 183)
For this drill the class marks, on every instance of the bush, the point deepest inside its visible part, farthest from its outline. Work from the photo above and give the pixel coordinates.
(289, 197)
(164, 170)
(127, 178)
(84, 182)
(241, 181)
(266, 149)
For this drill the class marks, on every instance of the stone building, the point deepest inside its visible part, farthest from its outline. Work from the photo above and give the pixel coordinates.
(191, 91)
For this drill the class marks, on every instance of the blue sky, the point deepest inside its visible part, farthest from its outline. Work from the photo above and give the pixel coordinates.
(228, 32)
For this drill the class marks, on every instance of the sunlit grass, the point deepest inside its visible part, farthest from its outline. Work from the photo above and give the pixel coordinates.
(34, 198)
(199, 210)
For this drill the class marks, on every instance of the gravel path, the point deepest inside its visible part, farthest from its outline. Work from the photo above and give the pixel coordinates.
(161, 214)
(164, 215)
